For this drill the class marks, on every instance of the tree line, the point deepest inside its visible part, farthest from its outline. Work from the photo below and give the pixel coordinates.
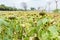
(6, 8)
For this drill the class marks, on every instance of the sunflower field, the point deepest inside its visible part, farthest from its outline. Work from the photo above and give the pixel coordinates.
(29, 25)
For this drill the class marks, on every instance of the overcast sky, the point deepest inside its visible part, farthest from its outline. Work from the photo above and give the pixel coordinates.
(30, 3)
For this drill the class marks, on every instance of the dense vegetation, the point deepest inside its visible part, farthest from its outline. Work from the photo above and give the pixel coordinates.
(6, 8)
(29, 25)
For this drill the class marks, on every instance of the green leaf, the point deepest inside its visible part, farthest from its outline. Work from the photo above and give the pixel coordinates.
(39, 23)
(2, 22)
(45, 36)
(45, 20)
(32, 31)
(9, 31)
(53, 31)
(17, 28)
(26, 38)
(0, 36)
(0, 29)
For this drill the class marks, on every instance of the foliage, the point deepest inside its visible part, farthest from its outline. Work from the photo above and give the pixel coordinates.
(56, 10)
(32, 8)
(30, 25)
(6, 8)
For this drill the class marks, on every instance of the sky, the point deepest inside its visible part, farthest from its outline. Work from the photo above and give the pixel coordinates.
(31, 3)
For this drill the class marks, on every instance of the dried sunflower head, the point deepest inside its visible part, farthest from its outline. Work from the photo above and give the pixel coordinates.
(35, 38)
(11, 17)
(42, 13)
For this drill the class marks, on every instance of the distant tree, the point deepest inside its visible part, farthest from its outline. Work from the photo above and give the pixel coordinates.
(38, 8)
(6, 8)
(49, 4)
(32, 8)
(20, 9)
(2, 7)
(11, 9)
(56, 1)
(56, 10)
(15, 9)
(24, 5)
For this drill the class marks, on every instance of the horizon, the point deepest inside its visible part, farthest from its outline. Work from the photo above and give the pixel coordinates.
(31, 3)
